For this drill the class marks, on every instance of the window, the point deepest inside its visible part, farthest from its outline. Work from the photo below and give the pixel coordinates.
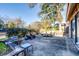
(73, 29)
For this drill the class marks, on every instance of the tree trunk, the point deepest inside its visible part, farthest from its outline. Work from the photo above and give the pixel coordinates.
(60, 27)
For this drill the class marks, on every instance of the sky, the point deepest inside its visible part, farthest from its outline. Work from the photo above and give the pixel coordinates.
(27, 14)
(64, 12)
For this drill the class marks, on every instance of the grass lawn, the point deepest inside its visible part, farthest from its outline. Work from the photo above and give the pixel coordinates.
(3, 47)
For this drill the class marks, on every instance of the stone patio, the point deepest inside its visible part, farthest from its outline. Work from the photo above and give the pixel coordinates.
(50, 46)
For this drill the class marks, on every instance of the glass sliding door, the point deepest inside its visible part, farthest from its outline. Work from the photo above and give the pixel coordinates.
(73, 29)
(78, 27)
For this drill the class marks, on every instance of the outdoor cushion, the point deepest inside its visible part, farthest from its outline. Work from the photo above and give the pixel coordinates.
(14, 38)
(26, 45)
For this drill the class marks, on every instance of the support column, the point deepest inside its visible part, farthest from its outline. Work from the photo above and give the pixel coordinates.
(75, 28)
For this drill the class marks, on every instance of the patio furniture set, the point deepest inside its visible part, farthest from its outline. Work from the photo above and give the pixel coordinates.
(17, 47)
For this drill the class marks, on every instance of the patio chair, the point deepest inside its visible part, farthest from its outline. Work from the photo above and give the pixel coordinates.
(32, 36)
(27, 37)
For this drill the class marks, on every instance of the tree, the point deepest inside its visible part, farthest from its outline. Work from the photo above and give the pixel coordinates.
(15, 23)
(39, 26)
(36, 26)
(32, 5)
(1, 24)
(52, 11)
(10, 24)
(19, 23)
(46, 25)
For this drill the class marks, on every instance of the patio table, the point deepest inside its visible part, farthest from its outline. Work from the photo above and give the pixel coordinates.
(26, 46)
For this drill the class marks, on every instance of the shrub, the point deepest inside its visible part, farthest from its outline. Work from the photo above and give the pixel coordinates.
(3, 48)
(20, 32)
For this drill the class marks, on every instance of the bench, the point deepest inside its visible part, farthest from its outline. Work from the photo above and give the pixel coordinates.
(15, 52)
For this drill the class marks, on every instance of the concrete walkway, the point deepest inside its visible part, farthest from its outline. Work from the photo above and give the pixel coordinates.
(50, 46)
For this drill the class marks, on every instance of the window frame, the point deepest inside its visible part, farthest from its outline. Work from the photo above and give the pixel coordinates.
(75, 28)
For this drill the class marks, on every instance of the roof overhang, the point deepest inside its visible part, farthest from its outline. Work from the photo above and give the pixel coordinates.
(72, 10)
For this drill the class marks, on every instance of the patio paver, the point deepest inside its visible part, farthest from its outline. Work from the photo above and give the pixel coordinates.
(50, 46)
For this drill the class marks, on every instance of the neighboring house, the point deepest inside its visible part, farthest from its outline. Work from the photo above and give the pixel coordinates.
(73, 23)
(60, 30)
(2, 33)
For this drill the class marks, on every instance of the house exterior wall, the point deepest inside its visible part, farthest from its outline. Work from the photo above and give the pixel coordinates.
(73, 19)
(2, 35)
